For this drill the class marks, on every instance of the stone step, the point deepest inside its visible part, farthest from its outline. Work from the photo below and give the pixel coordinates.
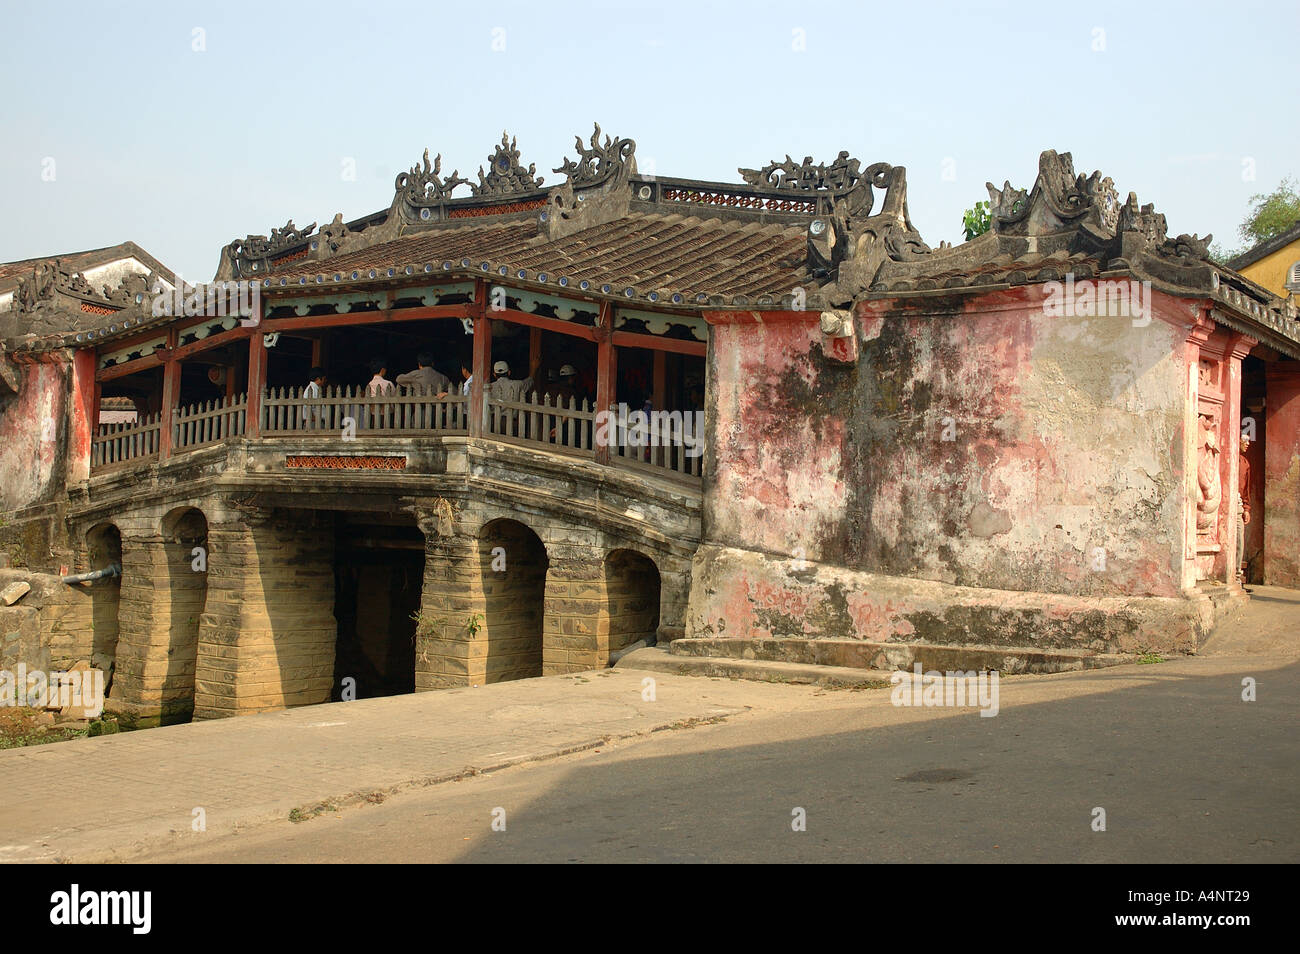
(659, 659)
(888, 657)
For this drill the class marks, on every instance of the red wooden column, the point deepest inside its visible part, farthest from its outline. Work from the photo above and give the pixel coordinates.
(482, 359)
(257, 357)
(1281, 510)
(660, 388)
(606, 376)
(535, 353)
(85, 414)
(1236, 348)
(171, 395)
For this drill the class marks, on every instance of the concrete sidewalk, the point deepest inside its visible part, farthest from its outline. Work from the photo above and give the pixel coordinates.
(115, 796)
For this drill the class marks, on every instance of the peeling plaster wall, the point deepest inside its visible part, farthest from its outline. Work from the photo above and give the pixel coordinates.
(1066, 435)
(33, 436)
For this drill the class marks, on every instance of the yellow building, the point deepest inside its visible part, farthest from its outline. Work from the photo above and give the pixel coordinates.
(1274, 264)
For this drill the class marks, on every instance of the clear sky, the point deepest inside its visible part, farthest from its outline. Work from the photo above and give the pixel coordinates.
(184, 125)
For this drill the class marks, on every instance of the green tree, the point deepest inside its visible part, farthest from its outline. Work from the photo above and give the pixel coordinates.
(976, 221)
(1270, 215)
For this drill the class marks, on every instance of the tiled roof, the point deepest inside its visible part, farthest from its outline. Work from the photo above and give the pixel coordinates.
(646, 252)
(75, 262)
(1266, 248)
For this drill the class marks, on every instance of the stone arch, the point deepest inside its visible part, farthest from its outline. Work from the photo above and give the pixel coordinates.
(104, 549)
(632, 600)
(185, 545)
(506, 643)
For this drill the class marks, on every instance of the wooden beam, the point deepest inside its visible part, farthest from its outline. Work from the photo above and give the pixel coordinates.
(557, 325)
(130, 367)
(381, 316)
(213, 341)
(629, 339)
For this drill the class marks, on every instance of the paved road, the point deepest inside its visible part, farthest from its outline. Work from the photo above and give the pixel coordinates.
(1185, 769)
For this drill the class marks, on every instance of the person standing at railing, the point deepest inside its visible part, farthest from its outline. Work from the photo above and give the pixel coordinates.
(379, 386)
(563, 392)
(426, 377)
(511, 390)
(315, 389)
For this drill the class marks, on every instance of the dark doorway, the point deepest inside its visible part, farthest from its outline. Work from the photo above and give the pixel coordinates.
(378, 577)
(104, 549)
(632, 588)
(513, 566)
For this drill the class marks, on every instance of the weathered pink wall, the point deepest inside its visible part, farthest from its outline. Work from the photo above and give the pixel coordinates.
(1282, 475)
(33, 435)
(1069, 436)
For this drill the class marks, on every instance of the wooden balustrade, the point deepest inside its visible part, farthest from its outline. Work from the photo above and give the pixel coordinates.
(410, 411)
(668, 444)
(128, 442)
(565, 425)
(210, 422)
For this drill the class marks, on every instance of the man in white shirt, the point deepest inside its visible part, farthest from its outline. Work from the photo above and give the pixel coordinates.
(311, 417)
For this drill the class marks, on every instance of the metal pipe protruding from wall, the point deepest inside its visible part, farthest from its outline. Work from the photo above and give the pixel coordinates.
(113, 569)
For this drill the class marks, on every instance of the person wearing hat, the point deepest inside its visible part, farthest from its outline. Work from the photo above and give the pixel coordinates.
(504, 388)
(563, 391)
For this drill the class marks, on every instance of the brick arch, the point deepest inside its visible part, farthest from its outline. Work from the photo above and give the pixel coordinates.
(103, 549)
(512, 564)
(632, 599)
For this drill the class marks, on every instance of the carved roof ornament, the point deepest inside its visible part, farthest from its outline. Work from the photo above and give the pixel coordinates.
(508, 176)
(1190, 248)
(600, 163)
(332, 239)
(425, 186)
(596, 189)
(251, 256)
(839, 176)
(38, 289)
(1059, 201)
(850, 243)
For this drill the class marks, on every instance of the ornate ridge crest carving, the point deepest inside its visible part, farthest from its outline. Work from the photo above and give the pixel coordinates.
(600, 163)
(254, 253)
(596, 189)
(1058, 200)
(333, 238)
(840, 176)
(51, 289)
(425, 186)
(507, 175)
(854, 244)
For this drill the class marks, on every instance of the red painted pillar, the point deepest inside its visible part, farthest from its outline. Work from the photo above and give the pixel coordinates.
(256, 385)
(1237, 347)
(84, 421)
(606, 375)
(482, 360)
(171, 395)
(1281, 511)
(660, 388)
